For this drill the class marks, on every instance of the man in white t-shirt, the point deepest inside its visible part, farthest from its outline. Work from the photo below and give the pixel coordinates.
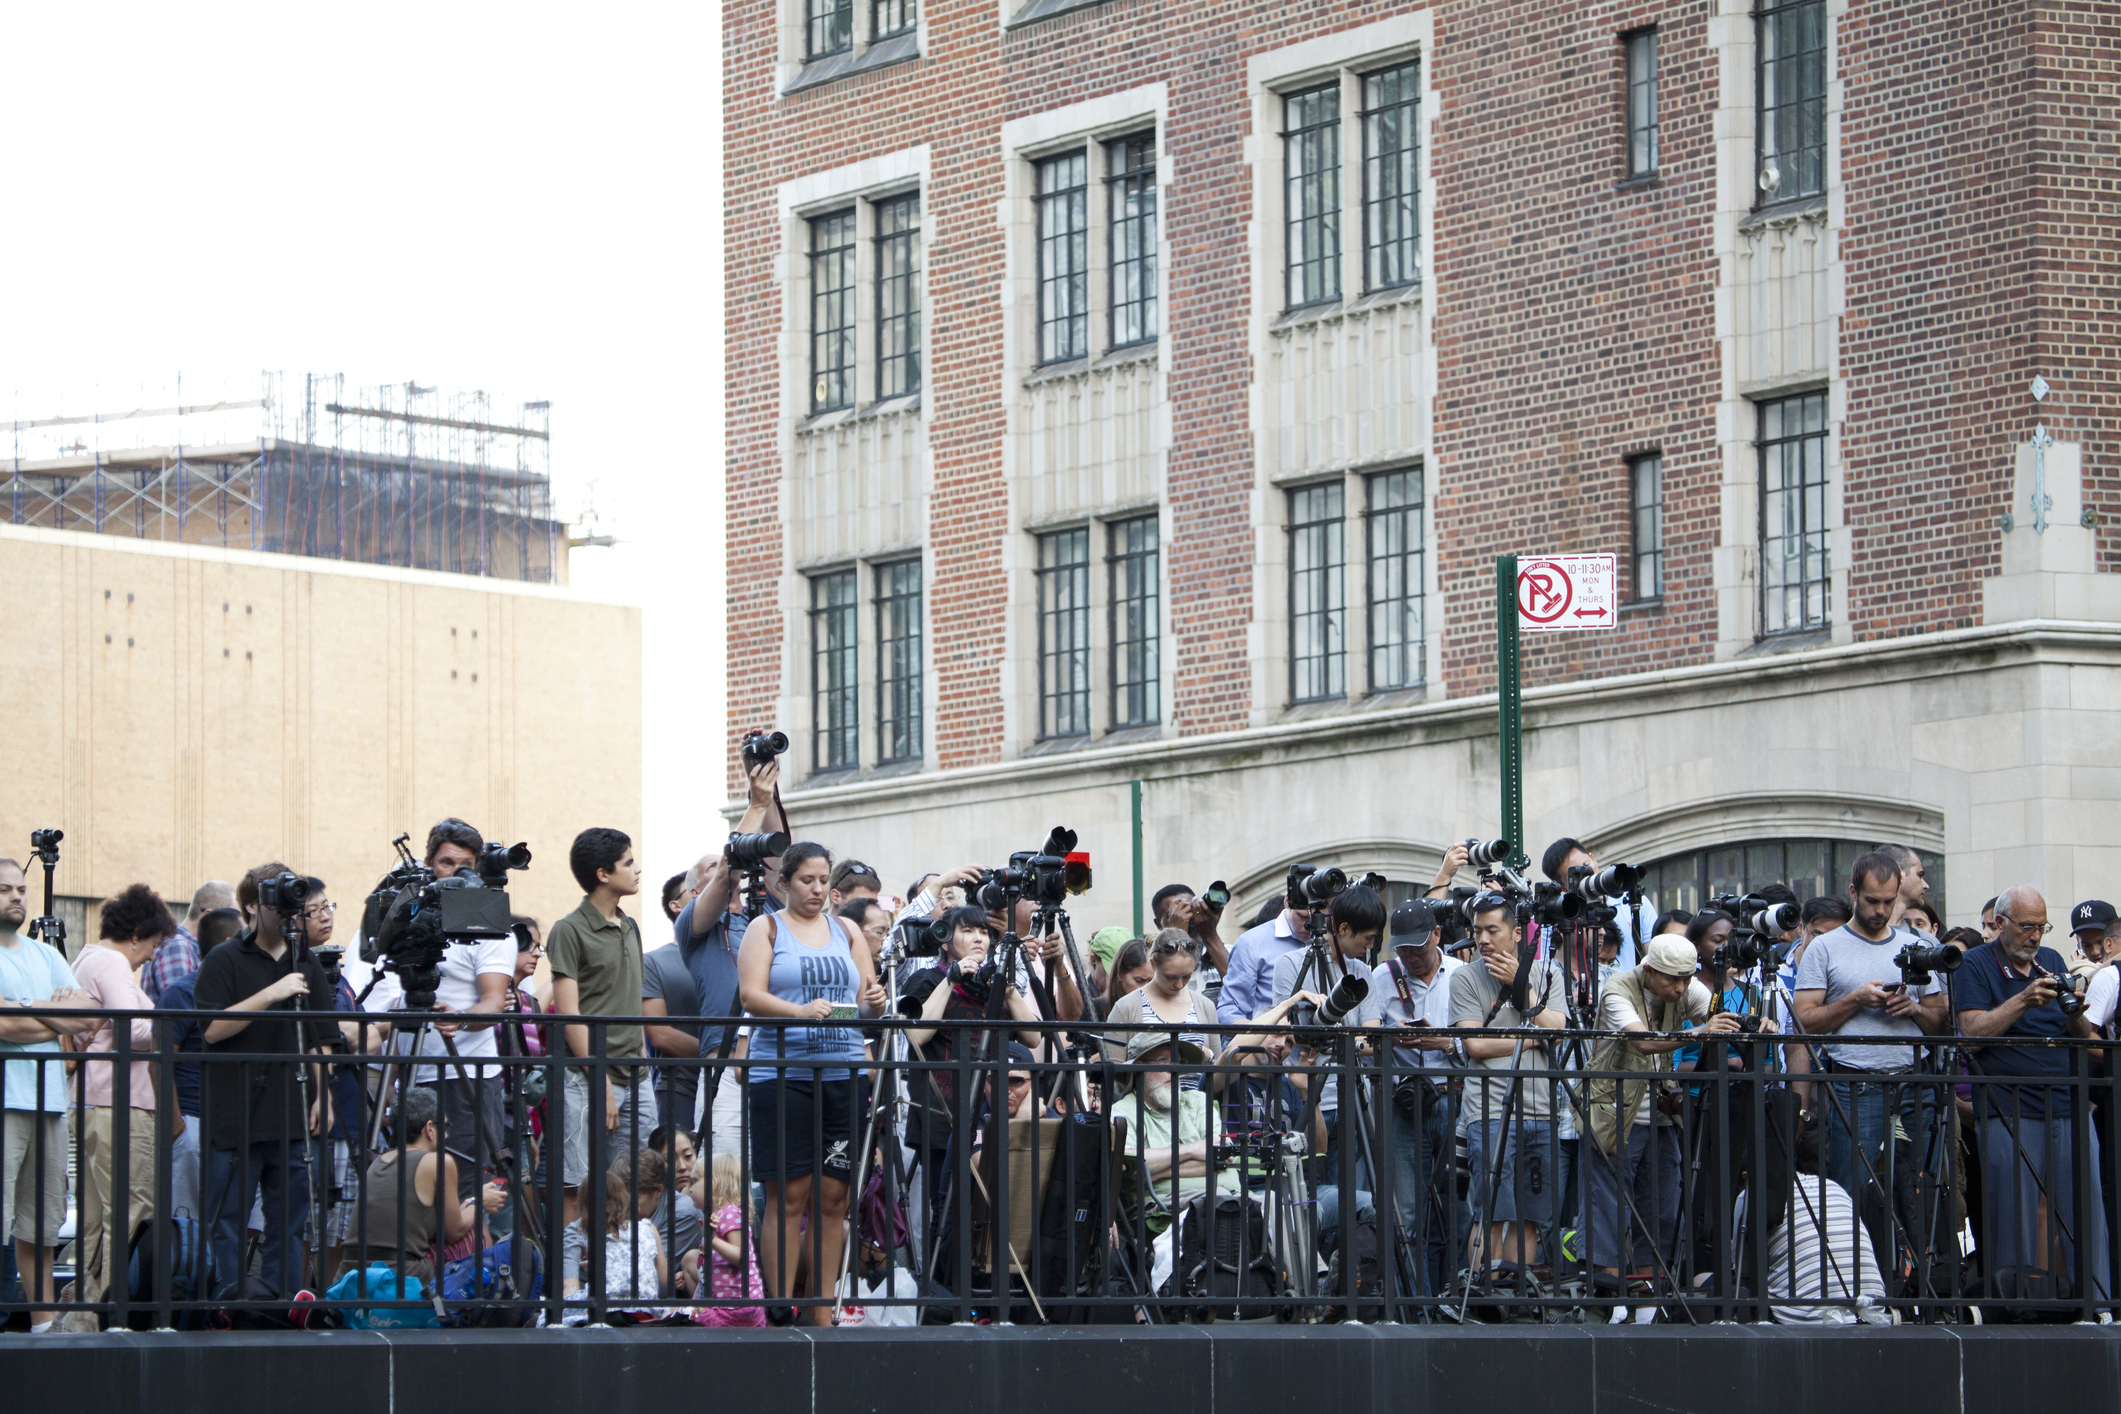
(475, 978)
(2103, 997)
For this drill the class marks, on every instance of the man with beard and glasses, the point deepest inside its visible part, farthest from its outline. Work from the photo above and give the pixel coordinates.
(2029, 1163)
(1169, 1135)
(33, 1165)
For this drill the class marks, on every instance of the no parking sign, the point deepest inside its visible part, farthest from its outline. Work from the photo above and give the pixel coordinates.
(1567, 591)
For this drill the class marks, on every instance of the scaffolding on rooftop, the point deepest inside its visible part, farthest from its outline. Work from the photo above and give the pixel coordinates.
(391, 474)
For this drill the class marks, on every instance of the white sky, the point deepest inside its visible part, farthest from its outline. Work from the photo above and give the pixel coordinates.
(522, 198)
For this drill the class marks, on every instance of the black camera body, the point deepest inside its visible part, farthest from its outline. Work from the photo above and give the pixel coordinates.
(1042, 875)
(1554, 906)
(1919, 962)
(1317, 1024)
(413, 915)
(1595, 886)
(284, 893)
(46, 842)
(1742, 951)
(762, 747)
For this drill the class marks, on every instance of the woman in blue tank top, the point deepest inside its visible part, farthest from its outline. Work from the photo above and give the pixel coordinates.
(805, 1091)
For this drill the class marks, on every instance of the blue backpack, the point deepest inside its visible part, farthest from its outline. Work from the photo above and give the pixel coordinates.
(191, 1275)
(379, 1282)
(472, 1284)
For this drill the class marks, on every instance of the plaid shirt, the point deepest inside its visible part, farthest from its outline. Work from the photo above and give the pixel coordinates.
(177, 957)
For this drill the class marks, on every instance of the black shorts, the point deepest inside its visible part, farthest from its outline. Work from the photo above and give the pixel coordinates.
(793, 1120)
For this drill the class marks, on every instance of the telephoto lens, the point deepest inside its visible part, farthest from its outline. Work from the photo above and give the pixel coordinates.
(1217, 896)
(1485, 852)
(1777, 919)
(1346, 996)
(752, 851)
(1598, 885)
(1320, 886)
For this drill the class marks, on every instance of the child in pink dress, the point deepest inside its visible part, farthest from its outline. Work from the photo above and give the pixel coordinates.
(732, 1257)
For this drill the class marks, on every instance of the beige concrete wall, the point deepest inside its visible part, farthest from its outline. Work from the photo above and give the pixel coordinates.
(184, 713)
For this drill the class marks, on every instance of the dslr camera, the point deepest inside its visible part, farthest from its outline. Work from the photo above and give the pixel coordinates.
(1918, 962)
(413, 915)
(1595, 886)
(1046, 875)
(284, 893)
(761, 747)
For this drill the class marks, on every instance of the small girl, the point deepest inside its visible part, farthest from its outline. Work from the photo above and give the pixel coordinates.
(634, 1267)
(733, 1258)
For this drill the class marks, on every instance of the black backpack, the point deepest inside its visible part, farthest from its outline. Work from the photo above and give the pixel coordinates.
(1073, 1221)
(1358, 1239)
(190, 1264)
(1223, 1256)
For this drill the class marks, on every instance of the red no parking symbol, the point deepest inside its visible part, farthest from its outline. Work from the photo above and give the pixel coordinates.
(1544, 592)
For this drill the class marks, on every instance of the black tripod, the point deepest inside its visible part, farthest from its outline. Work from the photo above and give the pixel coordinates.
(47, 927)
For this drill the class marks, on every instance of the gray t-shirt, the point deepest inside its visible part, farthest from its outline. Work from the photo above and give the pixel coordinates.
(1473, 991)
(1839, 962)
(1286, 968)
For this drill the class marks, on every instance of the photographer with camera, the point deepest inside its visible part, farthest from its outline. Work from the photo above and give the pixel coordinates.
(1634, 932)
(2015, 987)
(1355, 920)
(1516, 1166)
(1416, 1010)
(1850, 988)
(259, 1140)
(1633, 1123)
(1199, 915)
(472, 983)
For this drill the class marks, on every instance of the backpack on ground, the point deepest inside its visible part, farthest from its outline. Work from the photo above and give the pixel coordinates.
(1223, 1257)
(476, 1286)
(190, 1271)
(1358, 1239)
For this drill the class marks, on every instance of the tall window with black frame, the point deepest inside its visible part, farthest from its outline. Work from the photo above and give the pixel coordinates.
(1135, 678)
(1791, 37)
(1132, 203)
(1642, 102)
(1063, 198)
(1391, 176)
(834, 630)
(1064, 633)
(1393, 523)
(1795, 580)
(1318, 667)
(1646, 508)
(832, 311)
(831, 27)
(1311, 158)
(898, 296)
(898, 661)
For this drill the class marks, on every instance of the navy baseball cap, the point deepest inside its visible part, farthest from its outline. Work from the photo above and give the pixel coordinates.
(1414, 920)
(2091, 914)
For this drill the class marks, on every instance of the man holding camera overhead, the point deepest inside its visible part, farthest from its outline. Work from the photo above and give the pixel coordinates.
(1850, 987)
(257, 1143)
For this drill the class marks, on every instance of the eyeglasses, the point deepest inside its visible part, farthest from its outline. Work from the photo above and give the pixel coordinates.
(1016, 1080)
(320, 910)
(2038, 930)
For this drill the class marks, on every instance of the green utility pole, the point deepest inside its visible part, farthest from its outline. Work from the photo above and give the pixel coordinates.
(1509, 709)
(1137, 785)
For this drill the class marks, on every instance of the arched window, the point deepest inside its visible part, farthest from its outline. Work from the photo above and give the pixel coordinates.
(1810, 867)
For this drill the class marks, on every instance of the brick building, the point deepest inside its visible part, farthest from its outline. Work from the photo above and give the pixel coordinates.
(1128, 392)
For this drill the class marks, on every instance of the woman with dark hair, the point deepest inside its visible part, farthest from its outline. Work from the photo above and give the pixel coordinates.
(804, 964)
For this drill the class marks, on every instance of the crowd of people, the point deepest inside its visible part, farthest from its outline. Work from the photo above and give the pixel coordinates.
(715, 1139)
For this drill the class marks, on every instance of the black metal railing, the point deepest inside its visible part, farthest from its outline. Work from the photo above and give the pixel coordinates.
(1273, 1176)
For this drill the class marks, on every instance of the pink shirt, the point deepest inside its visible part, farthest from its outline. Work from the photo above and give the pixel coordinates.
(104, 975)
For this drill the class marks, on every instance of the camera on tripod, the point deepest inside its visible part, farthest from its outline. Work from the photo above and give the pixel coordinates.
(1554, 906)
(285, 893)
(1919, 962)
(761, 747)
(1046, 875)
(1321, 886)
(1742, 951)
(1485, 854)
(1595, 886)
(1316, 1024)
(413, 915)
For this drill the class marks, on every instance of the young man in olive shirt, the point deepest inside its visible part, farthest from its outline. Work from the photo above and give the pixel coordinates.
(595, 955)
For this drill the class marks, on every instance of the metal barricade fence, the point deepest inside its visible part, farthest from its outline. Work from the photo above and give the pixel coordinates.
(1270, 1175)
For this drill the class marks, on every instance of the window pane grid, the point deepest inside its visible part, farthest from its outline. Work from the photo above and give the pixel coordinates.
(1795, 583)
(1064, 633)
(833, 628)
(889, 18)
(831, 27)
(898, 296)
(1133, 239)
(1642, 103)
(1311, 151)
(1317, 602)
(1134, 565)
(898, 661)
(832, 311)
(1792, 138)
(1392, 523)
(1063, 258)
(1391, 125)
(1646, 496)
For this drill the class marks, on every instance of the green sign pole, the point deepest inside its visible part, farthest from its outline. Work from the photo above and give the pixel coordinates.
(1509, 709)
(1137, 857)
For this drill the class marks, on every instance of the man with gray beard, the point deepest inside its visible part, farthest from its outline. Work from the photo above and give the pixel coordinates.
(2015, 987)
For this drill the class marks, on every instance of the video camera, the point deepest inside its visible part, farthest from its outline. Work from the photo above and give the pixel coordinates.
(414, 915)
(1046, 875)
(1919, 962)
